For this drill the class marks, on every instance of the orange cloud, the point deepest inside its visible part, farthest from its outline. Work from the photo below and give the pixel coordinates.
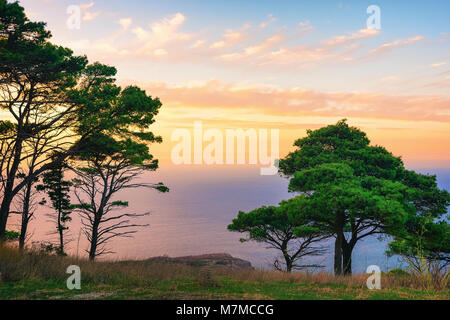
(265, 45)
(231, 37)
(297, 101)
(397, 43)
(360, 34)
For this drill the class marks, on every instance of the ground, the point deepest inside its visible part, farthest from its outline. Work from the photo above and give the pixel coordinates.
(30, 275)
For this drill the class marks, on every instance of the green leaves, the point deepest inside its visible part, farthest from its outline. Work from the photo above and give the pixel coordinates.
(316, 177)
(11, 235)
(280, 226)
(353, 187)
(14, 25)
(343, 144)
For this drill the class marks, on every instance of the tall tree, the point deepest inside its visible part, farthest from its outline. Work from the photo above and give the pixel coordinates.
(55, 96)
(352, 207)
(26, 200)
(58, 189)
(35, 77)
(342, 161)
(110, 163)
(286, 228)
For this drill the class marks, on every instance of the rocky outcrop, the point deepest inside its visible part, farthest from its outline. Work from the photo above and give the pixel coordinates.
(208, 260)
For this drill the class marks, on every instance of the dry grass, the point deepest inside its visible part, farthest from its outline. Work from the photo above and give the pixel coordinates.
(389, 281)
(33, 265)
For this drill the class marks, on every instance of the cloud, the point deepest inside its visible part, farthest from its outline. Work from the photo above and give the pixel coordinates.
(198, 44)
(125, 23)
(87, 15)
(161, 35)
(271, 100)
(438, 64)
(303, 23)
(231, 37)
(164, 30)
(388, 79)
(270, 20)
(86, 6)
(444, 37)
(304, 27)
(343, 39)
(250, 51)
(338, 48)
(160, 52)
(396, 43)
(164, 39)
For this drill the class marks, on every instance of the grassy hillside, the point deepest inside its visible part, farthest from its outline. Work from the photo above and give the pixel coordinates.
(33, 275)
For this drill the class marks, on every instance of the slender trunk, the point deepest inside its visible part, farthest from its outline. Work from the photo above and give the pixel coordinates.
(8, 191)
(61, 241)
(23, 233)
(60, 231)
(94, 240)
(25, 215)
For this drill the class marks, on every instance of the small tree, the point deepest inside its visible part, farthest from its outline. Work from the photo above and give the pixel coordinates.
(424, 245)
(285, 228)
(57, 189)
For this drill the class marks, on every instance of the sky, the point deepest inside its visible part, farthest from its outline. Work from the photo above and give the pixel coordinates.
(287, 65)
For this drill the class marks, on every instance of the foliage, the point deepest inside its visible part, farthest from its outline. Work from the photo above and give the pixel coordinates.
(65, 106)
(58, 189)
(108, 160)
(11, 235)
(286, 228)
(356, 189)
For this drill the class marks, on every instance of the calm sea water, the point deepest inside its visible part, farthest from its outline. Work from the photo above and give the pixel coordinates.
(192, 218)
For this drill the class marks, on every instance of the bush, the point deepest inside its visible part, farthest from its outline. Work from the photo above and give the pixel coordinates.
(398, 272)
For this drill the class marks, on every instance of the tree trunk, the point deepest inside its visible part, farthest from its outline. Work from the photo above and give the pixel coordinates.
(288, 264)
(92, 249)
(338, 255)
(60, 232)
(347, 250)
(286, 256)
(4, 211)
(8, 193)
(25, 215)
(339, 231)
(94, 240)
(23, 232)
(61, 240)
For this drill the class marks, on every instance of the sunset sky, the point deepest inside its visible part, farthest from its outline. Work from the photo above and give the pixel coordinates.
(287, 65)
